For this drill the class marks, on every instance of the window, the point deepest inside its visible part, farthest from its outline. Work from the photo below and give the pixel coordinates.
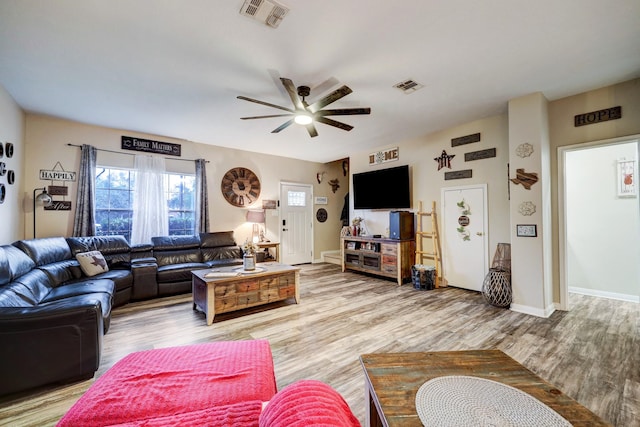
(114, 202)
(296, 198)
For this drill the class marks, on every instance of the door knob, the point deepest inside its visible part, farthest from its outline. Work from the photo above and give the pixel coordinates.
(479, 233)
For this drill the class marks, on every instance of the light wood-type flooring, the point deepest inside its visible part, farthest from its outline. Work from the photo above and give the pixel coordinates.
(591, 352)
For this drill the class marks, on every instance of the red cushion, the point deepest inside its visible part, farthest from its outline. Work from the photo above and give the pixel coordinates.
(243, 414)
(308, 403)
(177, 380)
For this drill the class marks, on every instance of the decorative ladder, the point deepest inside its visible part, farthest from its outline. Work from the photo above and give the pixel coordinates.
(436, 253)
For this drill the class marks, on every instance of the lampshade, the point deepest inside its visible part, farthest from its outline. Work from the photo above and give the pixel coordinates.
(256, 216)
(43, 198)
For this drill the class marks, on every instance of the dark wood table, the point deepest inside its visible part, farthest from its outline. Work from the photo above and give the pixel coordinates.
(393, 379)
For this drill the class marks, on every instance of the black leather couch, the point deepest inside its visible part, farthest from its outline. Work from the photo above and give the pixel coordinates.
(53, 317)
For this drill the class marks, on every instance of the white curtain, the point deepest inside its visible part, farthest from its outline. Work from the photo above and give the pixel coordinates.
(150, 216)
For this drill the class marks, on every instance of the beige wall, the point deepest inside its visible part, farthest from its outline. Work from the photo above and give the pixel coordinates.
(46, 140)
(428, 181)
(11, 130)
(562, 133)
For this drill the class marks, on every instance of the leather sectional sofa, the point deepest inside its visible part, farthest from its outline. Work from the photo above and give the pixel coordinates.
(53, 316)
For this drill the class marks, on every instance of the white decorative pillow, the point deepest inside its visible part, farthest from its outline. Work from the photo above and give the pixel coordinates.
(92, 263)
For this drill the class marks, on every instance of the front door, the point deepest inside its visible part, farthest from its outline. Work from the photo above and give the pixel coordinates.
(296, 223)
(464, 229)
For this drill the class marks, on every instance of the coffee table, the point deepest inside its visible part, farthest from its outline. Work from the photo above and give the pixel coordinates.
(224, 289)
(393, 379)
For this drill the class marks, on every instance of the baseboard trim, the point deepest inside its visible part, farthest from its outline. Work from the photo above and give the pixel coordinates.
(605, 294)
(533, 311)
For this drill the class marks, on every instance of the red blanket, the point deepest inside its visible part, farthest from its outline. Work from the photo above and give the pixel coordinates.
(164, 386)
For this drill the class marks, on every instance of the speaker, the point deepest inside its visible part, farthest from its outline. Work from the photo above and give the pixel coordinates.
(401, 225)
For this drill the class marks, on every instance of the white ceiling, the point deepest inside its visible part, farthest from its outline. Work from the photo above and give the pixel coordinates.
(174, 68)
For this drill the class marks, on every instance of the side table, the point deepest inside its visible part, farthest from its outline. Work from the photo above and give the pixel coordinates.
(267, 245)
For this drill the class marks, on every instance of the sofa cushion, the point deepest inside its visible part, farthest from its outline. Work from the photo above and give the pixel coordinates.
(308, 403)
(115, 249)
(15, 294)
(89, 299)
(177, 381)
(178, 272)
(92, 263)
(88, 286)
(36, 285)
(221, 253)
(46, 250)
(216, 239)
(62, 271)
(176, 249)
(16, 263)
(122, 279)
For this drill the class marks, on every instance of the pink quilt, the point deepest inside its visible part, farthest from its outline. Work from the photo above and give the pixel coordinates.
(220, 383)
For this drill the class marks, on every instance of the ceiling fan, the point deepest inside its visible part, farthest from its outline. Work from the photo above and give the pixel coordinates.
(305, 114)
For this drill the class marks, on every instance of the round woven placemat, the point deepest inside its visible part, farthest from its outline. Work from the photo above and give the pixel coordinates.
(472, 401)
(241, 270)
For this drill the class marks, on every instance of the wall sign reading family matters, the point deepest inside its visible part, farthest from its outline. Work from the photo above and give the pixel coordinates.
(149, 146)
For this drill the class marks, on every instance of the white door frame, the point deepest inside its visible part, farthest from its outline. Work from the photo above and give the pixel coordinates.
(562, 211)
(485, 225)
(310, 230)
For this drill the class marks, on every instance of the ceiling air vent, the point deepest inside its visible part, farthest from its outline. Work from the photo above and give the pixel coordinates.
(408, 86)
(266, 11)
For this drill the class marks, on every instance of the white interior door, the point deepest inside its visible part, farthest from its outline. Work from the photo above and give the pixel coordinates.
(465, 241)
(296, 223)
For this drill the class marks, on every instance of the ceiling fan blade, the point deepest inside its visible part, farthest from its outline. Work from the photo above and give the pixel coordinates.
(293, 93)
(244, 98)
(343, 112)
(312, 130)
(265, 117)
(335, 123)
(282, 126)
(332, 97)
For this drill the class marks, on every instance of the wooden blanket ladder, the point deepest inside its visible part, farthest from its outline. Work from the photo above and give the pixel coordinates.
(435, 253)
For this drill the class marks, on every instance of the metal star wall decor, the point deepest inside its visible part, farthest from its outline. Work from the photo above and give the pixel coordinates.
(444, 160)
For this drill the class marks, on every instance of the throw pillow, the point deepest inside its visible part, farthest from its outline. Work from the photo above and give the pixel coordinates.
(92, 263)
(307, 403)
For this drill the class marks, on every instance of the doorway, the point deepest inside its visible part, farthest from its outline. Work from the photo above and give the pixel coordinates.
(599, 221)
(296, 223)
(464, 229)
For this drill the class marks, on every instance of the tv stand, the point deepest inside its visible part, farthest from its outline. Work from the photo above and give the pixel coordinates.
(379, 256)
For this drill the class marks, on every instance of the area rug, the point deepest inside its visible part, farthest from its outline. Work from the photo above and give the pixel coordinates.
(471, 401)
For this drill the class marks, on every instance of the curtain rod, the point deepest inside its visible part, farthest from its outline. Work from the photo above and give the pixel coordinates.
(133, 154)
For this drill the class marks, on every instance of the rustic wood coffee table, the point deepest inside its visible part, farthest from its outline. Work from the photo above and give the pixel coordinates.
(393, 379)
(224, 289)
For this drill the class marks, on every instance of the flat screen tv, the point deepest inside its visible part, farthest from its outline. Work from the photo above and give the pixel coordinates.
(382, 189)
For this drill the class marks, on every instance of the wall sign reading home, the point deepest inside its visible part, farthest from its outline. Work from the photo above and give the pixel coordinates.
(149, 146)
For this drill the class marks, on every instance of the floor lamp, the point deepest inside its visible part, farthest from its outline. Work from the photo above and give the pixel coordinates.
(44, 199)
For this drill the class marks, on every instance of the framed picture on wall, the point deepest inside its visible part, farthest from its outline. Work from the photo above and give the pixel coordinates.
(526, 230)
(626, 178)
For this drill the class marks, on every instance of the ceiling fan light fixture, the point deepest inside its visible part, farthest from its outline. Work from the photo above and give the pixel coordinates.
(303, 119)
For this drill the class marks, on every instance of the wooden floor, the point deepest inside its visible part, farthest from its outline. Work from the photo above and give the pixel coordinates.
(592, 352)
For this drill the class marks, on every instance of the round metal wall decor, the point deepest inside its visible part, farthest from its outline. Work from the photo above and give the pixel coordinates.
(3, 168)
(321, 215)
(240, 187)
(8, 149)
(1, 150)
(3, 192)
(11, 177)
